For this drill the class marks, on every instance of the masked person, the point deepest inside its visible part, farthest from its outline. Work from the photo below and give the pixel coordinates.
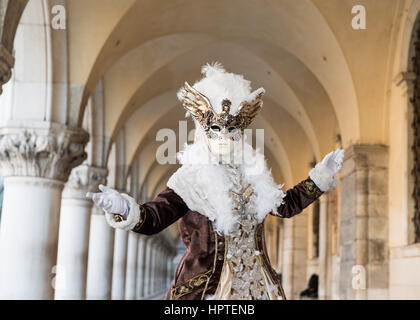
(220, 196)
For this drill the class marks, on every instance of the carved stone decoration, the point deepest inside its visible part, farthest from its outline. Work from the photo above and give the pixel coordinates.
(10, 14)
(416, 139)
(84, 179)
(49, 152)
(6, 64)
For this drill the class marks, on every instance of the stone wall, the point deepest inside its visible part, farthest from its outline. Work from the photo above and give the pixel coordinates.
(363, 223)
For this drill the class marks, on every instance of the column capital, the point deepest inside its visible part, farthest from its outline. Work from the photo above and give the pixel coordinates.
(45, 150)
(83, 179)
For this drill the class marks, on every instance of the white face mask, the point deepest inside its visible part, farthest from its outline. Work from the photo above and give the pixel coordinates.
(222, 142)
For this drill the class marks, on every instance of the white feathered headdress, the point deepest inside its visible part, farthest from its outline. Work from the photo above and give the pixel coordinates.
(221, 97)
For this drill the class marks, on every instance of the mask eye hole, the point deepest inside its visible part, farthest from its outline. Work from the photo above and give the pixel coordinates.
(231, 129)
(215, 128)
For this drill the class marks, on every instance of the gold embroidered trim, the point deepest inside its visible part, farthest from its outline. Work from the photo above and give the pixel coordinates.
(224, 261)
(216, 253)
(311, 188)
(142, 219)
(188, 286)
(260, 239)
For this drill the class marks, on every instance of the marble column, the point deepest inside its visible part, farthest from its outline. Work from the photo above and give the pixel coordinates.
(323, 246)
(364, 265)
(156, 269)
(35, 164)
(169, 263)
(141, 266)
(148, 267)
(73, 239)
(163, 269)
(159, 285)
(130, 279)
(101, 248)
(119, 265)
(153, 266)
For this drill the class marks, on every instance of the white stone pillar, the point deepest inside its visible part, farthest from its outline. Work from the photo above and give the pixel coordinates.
(169, 263)
(35, 163)
(101, 248)
(148, 267)
(323, 247)
(73, 239)
(159, 286)
(130, 279)
(153, 268)
(119, 265)
(141, 266)
(163, 268)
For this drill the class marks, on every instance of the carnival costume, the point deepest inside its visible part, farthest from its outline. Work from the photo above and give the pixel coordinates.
(220, 196)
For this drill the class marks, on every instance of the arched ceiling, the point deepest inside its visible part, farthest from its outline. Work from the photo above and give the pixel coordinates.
(218, 18)
(297, 50)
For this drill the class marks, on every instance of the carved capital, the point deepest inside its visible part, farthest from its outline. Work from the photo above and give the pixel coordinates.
(48, 151)
(7, 62)
(84, 179)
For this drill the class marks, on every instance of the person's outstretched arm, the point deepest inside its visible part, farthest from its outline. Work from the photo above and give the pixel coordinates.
(321, 179)
(122, 211)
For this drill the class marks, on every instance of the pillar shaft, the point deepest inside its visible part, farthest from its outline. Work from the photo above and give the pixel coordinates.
(148, 268)
(130, 279)
(99, 271)
(73, 240)
(141, 267)
(28, 237)
(323, 247)
(73, 249)
(119, 265)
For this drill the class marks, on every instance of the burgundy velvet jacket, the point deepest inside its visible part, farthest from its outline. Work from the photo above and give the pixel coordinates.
(199, 270)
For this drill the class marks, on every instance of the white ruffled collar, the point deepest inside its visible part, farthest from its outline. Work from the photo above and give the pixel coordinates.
(204, 184)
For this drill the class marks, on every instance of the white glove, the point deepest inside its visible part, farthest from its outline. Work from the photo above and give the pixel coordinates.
(324, 172)
(111, 201)
(334, 161)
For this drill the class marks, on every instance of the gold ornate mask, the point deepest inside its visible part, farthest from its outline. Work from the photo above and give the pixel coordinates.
(199, 106)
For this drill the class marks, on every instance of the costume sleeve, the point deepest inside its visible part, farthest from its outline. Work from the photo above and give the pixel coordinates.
(298, 198)
(153, 216)
(160, 213)
(303, 194)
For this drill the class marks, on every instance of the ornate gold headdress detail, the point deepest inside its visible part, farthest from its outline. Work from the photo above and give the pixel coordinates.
(199, 106)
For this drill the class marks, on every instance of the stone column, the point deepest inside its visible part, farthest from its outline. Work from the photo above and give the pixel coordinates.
(73, 240)
(294, 256)
(169, 264)
(153, 266)
(363, 223)
(35, 163)
(160, 269)
(141, 266)
(323, 246)
(148, 267)
(130, 279)
(157, 269)
(101, 248)
(163, 267)
(119, 265)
